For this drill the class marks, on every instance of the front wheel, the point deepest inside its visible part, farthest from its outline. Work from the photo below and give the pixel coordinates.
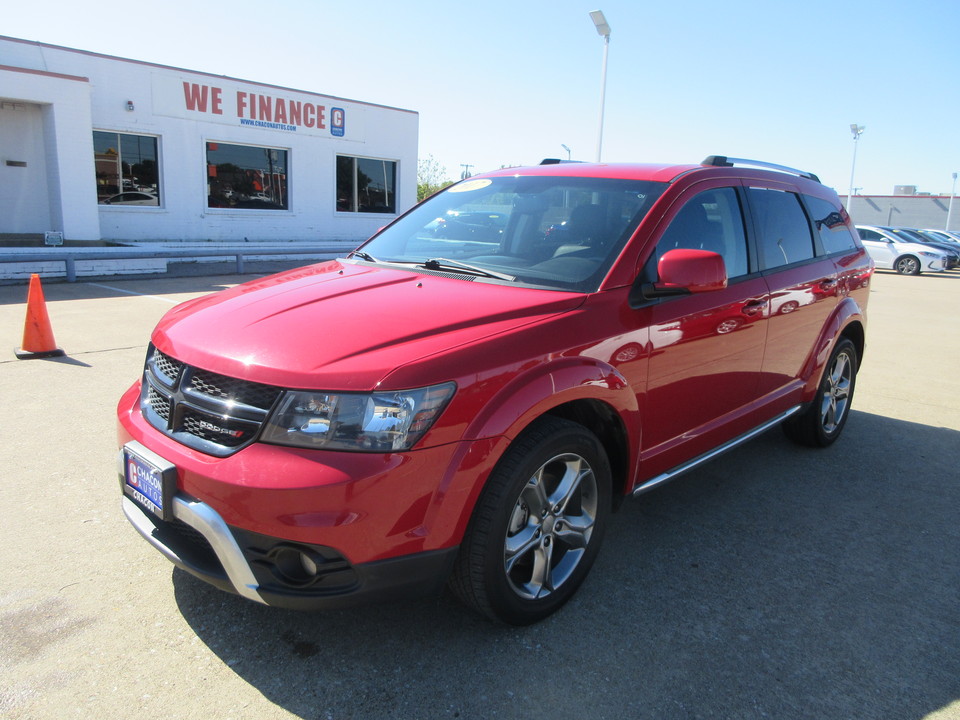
(907, 265)
(821, 423)
(537, 526)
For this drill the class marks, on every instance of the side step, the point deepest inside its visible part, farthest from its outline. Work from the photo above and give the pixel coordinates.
(710, 455)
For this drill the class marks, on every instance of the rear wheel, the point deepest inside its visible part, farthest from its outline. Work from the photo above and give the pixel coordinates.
(821, 423)
(907, 265)
(537, 526)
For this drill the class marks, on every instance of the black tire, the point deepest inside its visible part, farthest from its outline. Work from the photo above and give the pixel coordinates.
(907, 265)
(823, 421)
(537, 526)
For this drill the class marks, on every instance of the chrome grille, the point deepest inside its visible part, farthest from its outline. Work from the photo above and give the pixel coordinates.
(212, 413)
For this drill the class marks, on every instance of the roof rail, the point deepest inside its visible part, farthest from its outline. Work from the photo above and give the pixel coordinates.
(724, 161)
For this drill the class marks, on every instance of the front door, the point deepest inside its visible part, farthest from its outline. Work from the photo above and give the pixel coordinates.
(706, 349)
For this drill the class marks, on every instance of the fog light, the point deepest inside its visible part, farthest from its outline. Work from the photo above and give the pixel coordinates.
(293, 565)
(308, 565)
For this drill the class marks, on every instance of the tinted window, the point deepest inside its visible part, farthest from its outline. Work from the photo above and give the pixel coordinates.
(242, 176)
(710, 221)
(126, 162)
(870, 234)
(829, 222)
(366, 185)
(784, 233)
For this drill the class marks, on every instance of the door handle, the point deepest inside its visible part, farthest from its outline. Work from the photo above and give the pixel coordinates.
(753, 307)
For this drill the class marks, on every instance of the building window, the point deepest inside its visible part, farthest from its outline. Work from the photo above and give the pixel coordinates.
(366, 185)
(245, 177)
(126, 167)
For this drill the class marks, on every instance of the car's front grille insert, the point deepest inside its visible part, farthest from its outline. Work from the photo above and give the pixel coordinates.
(158, 403)
(209, 412)
(166, 366)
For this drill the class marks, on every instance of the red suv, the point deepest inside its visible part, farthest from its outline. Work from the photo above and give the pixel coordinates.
(468, 395)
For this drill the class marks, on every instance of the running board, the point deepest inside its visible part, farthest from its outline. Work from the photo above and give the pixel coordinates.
(691, 464)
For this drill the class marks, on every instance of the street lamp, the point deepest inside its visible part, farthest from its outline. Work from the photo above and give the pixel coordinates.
(603, 29)
(567, 149)
(857, 131)
(953, 191)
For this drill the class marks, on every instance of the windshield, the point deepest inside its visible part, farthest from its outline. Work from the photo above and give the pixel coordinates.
(555, 232)
(908, 236)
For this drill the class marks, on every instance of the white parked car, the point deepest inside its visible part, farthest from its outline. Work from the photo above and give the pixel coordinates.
(893, 252)
(132, 198)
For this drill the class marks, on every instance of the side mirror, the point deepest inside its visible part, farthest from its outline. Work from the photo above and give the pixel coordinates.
(685, 271)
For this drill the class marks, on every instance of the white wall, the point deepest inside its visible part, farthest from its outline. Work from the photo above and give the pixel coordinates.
(44, 122)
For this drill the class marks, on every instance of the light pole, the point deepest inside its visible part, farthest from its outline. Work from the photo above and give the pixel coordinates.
(567, 149)
(953, 191)
(857, 131)
(603, 29)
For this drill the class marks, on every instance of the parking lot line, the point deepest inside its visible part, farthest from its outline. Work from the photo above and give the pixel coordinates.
(130, 292)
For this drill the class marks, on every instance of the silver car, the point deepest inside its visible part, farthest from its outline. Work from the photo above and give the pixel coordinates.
(894, 252)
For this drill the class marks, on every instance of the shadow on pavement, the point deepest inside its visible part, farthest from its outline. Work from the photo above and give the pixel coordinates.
(776, 582)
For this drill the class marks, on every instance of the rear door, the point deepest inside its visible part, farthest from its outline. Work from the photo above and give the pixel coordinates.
(803, 283)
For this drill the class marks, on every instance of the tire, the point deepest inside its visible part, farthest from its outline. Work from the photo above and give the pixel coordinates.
(907, 265)
(822, 422)
(537, 526)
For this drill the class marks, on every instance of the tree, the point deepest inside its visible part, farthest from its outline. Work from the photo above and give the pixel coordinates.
(431, 177)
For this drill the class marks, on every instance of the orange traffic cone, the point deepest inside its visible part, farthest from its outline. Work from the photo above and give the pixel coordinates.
(38, 339)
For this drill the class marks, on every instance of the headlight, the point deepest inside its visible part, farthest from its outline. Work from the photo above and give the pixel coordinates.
(929, 254)
(364, 422)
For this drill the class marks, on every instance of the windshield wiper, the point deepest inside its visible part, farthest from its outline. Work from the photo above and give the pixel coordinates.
(363, 256)
(447, 264)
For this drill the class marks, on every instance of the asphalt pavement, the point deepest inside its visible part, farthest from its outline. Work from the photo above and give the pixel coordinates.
(776, 582)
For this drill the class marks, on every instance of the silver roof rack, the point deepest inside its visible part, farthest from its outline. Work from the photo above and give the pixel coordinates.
(724, 161)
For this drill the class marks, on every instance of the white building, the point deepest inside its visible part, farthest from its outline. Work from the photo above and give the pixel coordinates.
(99, 147)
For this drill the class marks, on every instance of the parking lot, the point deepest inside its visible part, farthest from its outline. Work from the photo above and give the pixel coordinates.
(776, 582)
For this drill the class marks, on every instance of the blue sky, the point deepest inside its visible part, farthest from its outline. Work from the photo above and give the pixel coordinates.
(506, 83)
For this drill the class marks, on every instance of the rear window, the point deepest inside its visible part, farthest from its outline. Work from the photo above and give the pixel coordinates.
(835, 235)
(782, 227)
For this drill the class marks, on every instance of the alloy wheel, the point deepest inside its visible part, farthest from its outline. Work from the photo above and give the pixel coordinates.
(836, 393)
(550, 527)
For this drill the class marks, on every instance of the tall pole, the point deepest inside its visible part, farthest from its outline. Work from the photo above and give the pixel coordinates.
(857, 131)
(603, 29)
(953, 191)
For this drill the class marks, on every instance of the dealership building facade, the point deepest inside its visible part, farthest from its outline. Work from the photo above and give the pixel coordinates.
(104, 148)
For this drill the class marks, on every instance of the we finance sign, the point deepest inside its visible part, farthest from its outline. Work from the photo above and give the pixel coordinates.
(253, 107)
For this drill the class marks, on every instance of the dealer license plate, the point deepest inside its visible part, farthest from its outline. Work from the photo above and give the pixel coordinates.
(149, 479)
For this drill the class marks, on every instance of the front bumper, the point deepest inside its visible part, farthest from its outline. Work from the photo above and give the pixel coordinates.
(371, 524)
(264, 569)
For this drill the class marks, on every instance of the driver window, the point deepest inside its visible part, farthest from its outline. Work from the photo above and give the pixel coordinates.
(711, 220)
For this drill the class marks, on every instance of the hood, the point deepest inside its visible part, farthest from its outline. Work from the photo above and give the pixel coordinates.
(340, 326)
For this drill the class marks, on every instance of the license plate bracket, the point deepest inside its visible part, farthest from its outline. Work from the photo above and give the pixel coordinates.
(149, 480)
